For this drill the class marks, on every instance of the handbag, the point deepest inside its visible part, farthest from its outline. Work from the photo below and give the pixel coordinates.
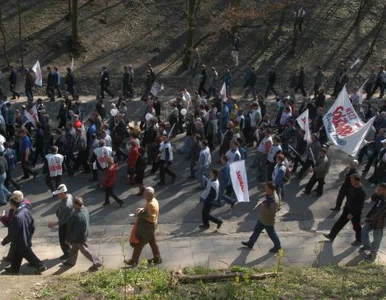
(133, 237)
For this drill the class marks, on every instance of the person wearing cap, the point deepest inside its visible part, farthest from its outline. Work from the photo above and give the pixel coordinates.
(63, 214)
(320, 170)
(165, 160)
(78, 228)
(344, 188)
(147, 224)
(21, 230)
(53, 168)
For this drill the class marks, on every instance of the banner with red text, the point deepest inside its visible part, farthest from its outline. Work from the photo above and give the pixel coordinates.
(304, 124)
(239, 180)
(343, 126)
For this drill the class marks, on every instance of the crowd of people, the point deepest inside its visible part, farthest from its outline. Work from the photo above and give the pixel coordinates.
(218, 130)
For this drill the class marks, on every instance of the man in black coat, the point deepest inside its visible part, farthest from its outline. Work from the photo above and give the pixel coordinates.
(21, 230)
(201, 87)
(51, 82)
(70, 82)
(105, 83)
(271, 82)
(301, 79)
(12, 83)
(125, 82)
(352, 211)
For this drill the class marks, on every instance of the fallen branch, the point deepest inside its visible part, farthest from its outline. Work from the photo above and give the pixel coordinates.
(181, 278)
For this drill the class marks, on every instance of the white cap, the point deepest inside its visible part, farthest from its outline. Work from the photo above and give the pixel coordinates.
(61, 189)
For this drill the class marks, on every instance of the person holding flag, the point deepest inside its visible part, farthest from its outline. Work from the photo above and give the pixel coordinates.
(312, 152)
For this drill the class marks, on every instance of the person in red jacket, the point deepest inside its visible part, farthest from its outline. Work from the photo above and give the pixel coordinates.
(132, 157)
(109, 182)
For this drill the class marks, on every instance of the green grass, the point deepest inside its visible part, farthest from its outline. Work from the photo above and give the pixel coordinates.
(365, 281)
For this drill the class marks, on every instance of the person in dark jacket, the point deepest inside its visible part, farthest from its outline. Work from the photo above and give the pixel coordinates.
(10, 155)
(250, 84)
(70, 82)
(301, 80)
(375, 222)
(352, 211)
(203, 77)
(51, 82)
(105, 83)
(39, 143)
(30, 78)
(271, 82)
(25, 146)
(4, 192)
(194, 155)
(62, 114)
(208, 196)
(13, 82)
(21, 230)
(78, 228)
(125, 82)
(345, 187)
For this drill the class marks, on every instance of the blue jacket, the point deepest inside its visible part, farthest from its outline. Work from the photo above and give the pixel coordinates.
(22, 228)
(224, 177)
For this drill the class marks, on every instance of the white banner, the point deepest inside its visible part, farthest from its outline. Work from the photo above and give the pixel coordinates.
(343, 126)
(38, 72)
(239, 180)
(223, 92)
(31, 116)
(304, 124)
(156, 88)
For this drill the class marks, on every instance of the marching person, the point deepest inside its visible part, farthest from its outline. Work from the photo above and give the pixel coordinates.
(165, 160)
(208, 196)
(13, 82)
(147, 224)
(375, 222)
(21, 230)
(51, 82)
(53, 168)
(278, 177)
(77, 233)
(267, 212)
(352, 211)
(203, 163)
(10, 155)
(345, 187)
(63, 214)
(57, 82)
(312, 152)
(25, 146)
(99, 158)
(224, 179)
(320, 169)
(109, 181)
(105, 83)
(70, 82)
(261, 157)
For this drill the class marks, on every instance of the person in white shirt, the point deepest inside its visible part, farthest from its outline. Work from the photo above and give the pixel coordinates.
(271, 157)
(53, 168)
(165, 160)
(233, 154)
(261, 156)
(203, 163)
(186, 99)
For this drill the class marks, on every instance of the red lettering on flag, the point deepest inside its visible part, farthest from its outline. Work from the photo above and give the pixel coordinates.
(240, 179)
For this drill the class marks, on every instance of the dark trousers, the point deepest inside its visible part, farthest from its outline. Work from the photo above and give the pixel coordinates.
(371, 160)
(342, 221)
(301, 87)
(270, 168)
(50, 92)
(81, 159)
(259, 227)
(248, 89)
(28, 255)
(306, 166)
(38, 151)
(14, 93)
(71, 90)
(28, 93)
(67, 159)
(10, 130)
(9, 179)
(26, 169)
(56, 179)
(296, 162)
(311, 183)
(62, 239)
(138, 249)
(316, 90)
(206, 216)
(201, 89)
(110, 192)
(105, 88)
(341, 195)
(57, 88)
(270, 87)
(164, 169)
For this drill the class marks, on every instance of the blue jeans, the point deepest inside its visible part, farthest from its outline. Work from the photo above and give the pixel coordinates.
(270, 231)
(4, 192)
(223, 196)
(200, 172)
(377, 235)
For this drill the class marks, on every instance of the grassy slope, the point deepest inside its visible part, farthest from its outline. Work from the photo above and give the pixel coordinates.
(365, 281)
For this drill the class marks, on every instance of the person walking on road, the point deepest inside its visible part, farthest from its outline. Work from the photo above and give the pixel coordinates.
(63, 214)
(351, 212)
(147, 218)
(53, 168)
(78, 228)
(267, 212)
(375, 222)
(13, 82)
(110, 180)
(105, 83)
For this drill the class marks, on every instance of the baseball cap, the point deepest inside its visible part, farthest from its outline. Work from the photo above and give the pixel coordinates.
(61, 189)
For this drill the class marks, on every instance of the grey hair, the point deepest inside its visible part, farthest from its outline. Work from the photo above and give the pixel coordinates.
(150, 190)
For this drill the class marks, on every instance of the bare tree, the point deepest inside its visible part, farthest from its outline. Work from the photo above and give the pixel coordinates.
(190, 39)
(74, 23)
(68, 17)
(362, 6)
(4, 38)
(20, 34)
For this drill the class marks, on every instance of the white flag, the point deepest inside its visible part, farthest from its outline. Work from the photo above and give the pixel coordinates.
(343, 126)
(303, 121)
(223, 92)
(355, 63)
(239, 180)
(156, 88)
(38, 72)
(72, 64)
(31, 116)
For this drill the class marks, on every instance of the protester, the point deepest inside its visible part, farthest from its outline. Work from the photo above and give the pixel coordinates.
(109, 181)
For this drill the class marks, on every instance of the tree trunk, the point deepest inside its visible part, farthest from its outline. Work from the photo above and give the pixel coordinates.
(362, 5)
(20, 35)
(74, 23)
(191, 30)
(68, 17)
(105, 20)
(4, 38)
(381, 23)
(281, 22)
